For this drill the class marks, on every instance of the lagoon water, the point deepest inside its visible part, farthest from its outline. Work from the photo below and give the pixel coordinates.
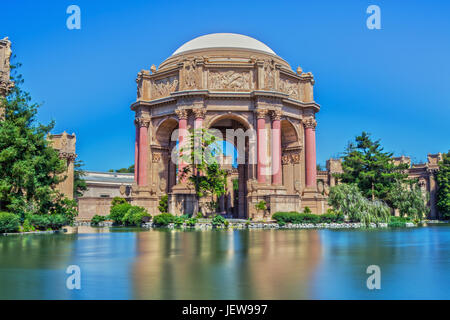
(119, 263)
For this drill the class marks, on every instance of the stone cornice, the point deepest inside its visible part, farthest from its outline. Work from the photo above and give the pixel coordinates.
(207, 94)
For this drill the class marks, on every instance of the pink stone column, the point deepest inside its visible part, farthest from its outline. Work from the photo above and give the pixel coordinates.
(310, 150)
(277, 172)
(261, 144)
(136, 153)
(199, 114)
(182, 139)
(143, 151)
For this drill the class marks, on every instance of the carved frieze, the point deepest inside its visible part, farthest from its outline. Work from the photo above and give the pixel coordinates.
(289, 86)
(164, 87)
(229, 80)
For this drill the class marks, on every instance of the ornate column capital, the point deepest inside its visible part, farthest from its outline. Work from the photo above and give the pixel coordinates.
(142, 122)
(199, 113)
(261, 113)
(310, 123)
(276, 115)
(182, 114)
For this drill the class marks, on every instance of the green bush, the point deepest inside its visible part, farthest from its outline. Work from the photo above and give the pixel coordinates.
(164, 204)
(97, 219)
(218, 220)
(191, 222)
(45, 222)
(9, 222)
(178, 221)
(27, 226)
(57, 221)
(135, 216)
(163, 219)
(307, 210)
(332, 217)
(294, 217)
(40, 222)
(398, 222)
(118, 211)
(118, 200)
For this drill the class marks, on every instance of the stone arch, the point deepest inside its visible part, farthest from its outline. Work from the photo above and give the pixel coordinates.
(163, 132)
(289, 134)
(242, 120)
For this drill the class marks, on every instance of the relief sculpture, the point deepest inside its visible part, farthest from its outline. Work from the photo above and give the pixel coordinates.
(289, 86)
(163, 87)
(232, 80)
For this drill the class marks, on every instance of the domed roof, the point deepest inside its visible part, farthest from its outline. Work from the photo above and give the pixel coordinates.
(224, 40)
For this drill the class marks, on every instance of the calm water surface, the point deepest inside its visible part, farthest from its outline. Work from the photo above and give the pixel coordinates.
(262, 264)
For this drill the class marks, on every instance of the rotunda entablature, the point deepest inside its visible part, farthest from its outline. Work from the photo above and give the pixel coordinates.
(204, 70)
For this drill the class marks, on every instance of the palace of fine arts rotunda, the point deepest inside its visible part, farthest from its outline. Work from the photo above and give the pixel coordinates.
(228, 81)
(250, 98)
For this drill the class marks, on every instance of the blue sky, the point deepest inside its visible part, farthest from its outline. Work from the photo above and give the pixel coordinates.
(393, 82)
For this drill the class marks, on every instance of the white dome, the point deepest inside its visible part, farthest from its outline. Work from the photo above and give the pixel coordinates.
(224, 40)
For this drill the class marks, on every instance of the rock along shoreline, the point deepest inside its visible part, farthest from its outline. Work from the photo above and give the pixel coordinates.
(257, 225)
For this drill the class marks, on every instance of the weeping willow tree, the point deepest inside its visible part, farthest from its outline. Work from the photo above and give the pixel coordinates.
(348, 199)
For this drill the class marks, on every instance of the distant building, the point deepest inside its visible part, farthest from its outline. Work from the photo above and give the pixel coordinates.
(102, 188)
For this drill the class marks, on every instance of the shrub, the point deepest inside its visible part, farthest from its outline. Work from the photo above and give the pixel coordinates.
(45, 222)
(164, 204)
(294, 217)
(307, 210)
(218, 220)
(398, 222)
(191, 222)
(331, 217)
(178, 221)
(9, 222)
(97, 219)
(118, 200)
(261, 205)
(27, 226)
(40, 222)
(135, 216)
(57, 221)
(163, 219)
(118, 211)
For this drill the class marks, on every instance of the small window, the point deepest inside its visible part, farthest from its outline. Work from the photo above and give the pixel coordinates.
(104, 196)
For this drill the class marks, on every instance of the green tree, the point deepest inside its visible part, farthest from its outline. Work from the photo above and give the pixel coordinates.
(348, 199)
(204, 171)
(30, 168)
(370, 168)
(79, 185)
(443, 182)
(130, 169)
(409, 200)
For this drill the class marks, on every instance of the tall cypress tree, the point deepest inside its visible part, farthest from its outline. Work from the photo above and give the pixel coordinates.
(366, 164)
(30, 168)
